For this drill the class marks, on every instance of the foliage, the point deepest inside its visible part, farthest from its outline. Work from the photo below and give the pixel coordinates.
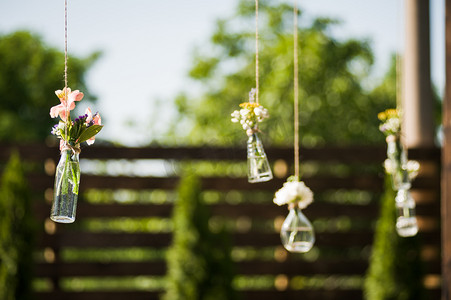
(334, 106)
(395, 270)
(199, 262)
(29, 73)
(16, 234)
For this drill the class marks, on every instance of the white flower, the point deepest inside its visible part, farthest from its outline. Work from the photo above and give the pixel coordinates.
(412, 168)
(246, 126)
(393, 125)
(294, 192)
(250, 113)
(389, 166)
(261, 113)
(235, 116)
(244, 112)
(258, 110)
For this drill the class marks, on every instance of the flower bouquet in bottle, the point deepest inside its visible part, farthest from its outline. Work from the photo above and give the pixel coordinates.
(250, 114)
(71, 133)
(297, 232)
(402, 172)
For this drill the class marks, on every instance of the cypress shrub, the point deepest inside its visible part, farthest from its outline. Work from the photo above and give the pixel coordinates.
(199, 262)
(395, 270)
(16, 234)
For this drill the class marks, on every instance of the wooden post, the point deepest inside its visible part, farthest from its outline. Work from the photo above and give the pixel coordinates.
(446, 169)
(417, 100)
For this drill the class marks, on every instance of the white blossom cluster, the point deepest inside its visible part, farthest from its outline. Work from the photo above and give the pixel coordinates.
(249, 117)
(392, 125)
(250, 113)
(412, 167)
(294, 192)
(391, 122)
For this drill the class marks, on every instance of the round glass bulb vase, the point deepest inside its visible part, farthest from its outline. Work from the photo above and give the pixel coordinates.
(297, 233)
(258, 169)
(65, 193)
(406, 222)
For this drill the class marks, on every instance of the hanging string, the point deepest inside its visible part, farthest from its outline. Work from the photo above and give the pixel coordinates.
(65, 66)
(399, 71)
(398, 62)
(398, 81)
(296, 93)
(256, 52)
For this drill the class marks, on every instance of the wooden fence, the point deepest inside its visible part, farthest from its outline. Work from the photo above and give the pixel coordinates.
(115, 249)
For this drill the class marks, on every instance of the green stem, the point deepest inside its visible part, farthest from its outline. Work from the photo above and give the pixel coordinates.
(74, 178)
(60, 187)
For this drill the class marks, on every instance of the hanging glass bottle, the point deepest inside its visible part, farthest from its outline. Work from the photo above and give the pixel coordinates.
(397, 157)
(297, 233)
(406, 222)
(67, 181)
(258, 168)
(250, 114)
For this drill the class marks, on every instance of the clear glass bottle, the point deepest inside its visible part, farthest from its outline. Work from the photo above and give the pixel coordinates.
(398, 157)
(258, 168)
(406, 222)
(65, 193)
(297, 233)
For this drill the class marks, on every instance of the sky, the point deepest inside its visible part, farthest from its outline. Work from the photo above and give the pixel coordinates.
(147, 47)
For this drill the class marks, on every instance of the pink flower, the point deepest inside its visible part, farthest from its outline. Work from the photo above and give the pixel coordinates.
(92, 120)
(67, 99)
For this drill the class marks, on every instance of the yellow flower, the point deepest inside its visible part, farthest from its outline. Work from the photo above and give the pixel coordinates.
(381, 116)
(249, 105)
(388, 114)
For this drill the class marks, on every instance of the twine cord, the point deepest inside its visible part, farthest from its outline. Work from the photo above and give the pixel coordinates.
(296, 93)
(256, 53)
(65, 71)
(398, 62)
(398, 74)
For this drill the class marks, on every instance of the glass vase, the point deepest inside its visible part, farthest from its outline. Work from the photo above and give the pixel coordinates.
(297, 233)
(406, 222)
(398, 161)
(258, 169)
(65, 193)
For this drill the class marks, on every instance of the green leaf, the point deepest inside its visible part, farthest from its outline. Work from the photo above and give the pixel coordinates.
(89, 133)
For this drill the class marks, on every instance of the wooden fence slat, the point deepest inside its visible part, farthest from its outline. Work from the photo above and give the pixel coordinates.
(249, 294)
(98, 295)
(253, 267)
(91, 269)
(352, 154)
(255, 239)
(317, 183)
(333, 294)
(260, 211)
(373, 183)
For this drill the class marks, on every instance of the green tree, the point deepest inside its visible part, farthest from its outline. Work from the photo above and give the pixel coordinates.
(334, 108)
(30, 72)
(199, 262)
(395, 271)
(16, 233)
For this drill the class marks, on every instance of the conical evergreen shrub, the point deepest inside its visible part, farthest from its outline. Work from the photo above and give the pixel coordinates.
(198, 261)
(16, 233)
(395, 270)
